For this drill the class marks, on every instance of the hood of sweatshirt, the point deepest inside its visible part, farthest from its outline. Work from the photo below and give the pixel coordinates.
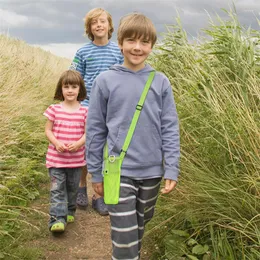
(121, 68)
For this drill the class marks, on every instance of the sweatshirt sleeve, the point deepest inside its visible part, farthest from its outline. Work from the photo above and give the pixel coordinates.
(96, 133)
(170, 135)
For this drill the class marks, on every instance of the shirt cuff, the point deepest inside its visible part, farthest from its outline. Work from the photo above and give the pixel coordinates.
(96, 177)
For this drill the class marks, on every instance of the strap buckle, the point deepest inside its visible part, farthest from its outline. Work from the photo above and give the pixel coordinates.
(139, 107)
(123, 151)
(111, 158)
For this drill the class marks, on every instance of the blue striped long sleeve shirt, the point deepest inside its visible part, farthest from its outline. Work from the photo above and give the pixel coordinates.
(90, 60)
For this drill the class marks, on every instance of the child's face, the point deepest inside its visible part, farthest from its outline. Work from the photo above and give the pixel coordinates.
(70, 92)
(135, 52)
(100, 27)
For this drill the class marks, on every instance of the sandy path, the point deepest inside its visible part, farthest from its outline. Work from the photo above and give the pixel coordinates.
(87, 238)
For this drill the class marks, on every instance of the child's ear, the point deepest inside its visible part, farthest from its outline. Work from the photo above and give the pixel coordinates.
(120, 46)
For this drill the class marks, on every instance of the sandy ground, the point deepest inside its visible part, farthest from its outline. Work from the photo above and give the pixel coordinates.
(87, 238)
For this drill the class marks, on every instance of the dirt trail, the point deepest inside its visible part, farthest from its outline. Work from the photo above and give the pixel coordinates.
(87, 238)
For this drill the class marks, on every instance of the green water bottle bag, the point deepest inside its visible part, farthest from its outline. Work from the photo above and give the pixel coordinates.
(111, 173)
(112, 164)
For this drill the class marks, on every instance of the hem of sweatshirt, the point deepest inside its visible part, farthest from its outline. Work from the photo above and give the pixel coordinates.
(143, 172)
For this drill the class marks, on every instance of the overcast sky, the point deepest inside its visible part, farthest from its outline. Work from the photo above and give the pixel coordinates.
(57, 25)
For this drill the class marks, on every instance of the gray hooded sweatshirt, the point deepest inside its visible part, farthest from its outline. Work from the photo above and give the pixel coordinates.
(154, 150)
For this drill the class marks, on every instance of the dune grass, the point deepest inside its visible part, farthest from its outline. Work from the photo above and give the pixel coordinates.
(214, 212)
(27, 83)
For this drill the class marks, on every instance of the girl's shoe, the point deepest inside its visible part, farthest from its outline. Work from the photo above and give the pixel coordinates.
(70, 219)
(58, 227)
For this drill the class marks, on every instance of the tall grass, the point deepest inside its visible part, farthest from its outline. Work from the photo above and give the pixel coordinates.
(27, 83)
(215, 211)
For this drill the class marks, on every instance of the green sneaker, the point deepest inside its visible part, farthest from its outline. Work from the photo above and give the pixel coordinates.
(70, 219)
(58, 227)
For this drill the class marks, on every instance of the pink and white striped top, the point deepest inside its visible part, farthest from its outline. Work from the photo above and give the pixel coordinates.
(68, 127)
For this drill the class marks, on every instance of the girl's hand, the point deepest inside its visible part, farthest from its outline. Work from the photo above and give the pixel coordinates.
(60, 147)
(98, 188)
(73, 147)
(169, 186)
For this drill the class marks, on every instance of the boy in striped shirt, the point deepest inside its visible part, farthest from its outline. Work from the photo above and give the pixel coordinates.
(90, 60)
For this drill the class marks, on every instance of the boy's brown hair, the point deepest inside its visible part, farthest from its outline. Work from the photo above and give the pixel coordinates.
(138, 26)
(70, 77)
(93, 14)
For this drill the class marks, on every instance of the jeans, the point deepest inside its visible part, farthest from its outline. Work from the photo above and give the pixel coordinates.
(63, 193)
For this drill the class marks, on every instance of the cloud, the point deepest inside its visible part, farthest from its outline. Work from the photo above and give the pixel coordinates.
(54, 23)
(11, 19)
(66, 50)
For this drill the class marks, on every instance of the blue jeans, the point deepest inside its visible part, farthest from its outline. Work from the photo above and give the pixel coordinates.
(63, 193)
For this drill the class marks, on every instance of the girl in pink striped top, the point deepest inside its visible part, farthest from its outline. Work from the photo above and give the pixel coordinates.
(65, 129)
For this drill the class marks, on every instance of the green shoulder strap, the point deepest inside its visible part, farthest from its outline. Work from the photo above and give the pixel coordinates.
(134, 119)
(136, 115)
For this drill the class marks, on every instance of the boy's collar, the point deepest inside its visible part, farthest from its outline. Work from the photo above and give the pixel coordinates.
(136, 71)
(101, 43)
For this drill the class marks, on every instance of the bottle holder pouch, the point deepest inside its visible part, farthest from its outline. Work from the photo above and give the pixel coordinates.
(111, 173)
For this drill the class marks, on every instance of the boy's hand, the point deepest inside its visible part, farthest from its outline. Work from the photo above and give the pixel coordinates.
(98, 188)
(73, 147)
(60, 147)
(169, 186)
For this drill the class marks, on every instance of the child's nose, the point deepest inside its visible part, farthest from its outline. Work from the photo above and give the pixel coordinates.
(137, 45)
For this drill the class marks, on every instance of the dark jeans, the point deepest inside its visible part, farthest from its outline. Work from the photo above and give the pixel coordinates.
(63, 193)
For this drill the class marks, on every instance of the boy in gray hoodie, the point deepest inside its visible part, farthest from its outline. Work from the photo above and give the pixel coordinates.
(154, 150)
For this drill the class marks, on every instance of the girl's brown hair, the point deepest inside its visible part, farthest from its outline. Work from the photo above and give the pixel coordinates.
(93, 14)
(70, 77)
(138, 26)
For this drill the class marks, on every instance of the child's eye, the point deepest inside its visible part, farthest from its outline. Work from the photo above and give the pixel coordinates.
(93, 22)
(146, 41)
(74, 86)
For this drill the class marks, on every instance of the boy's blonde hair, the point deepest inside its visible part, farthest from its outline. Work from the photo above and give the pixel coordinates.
(138, 26)
(93, 14)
